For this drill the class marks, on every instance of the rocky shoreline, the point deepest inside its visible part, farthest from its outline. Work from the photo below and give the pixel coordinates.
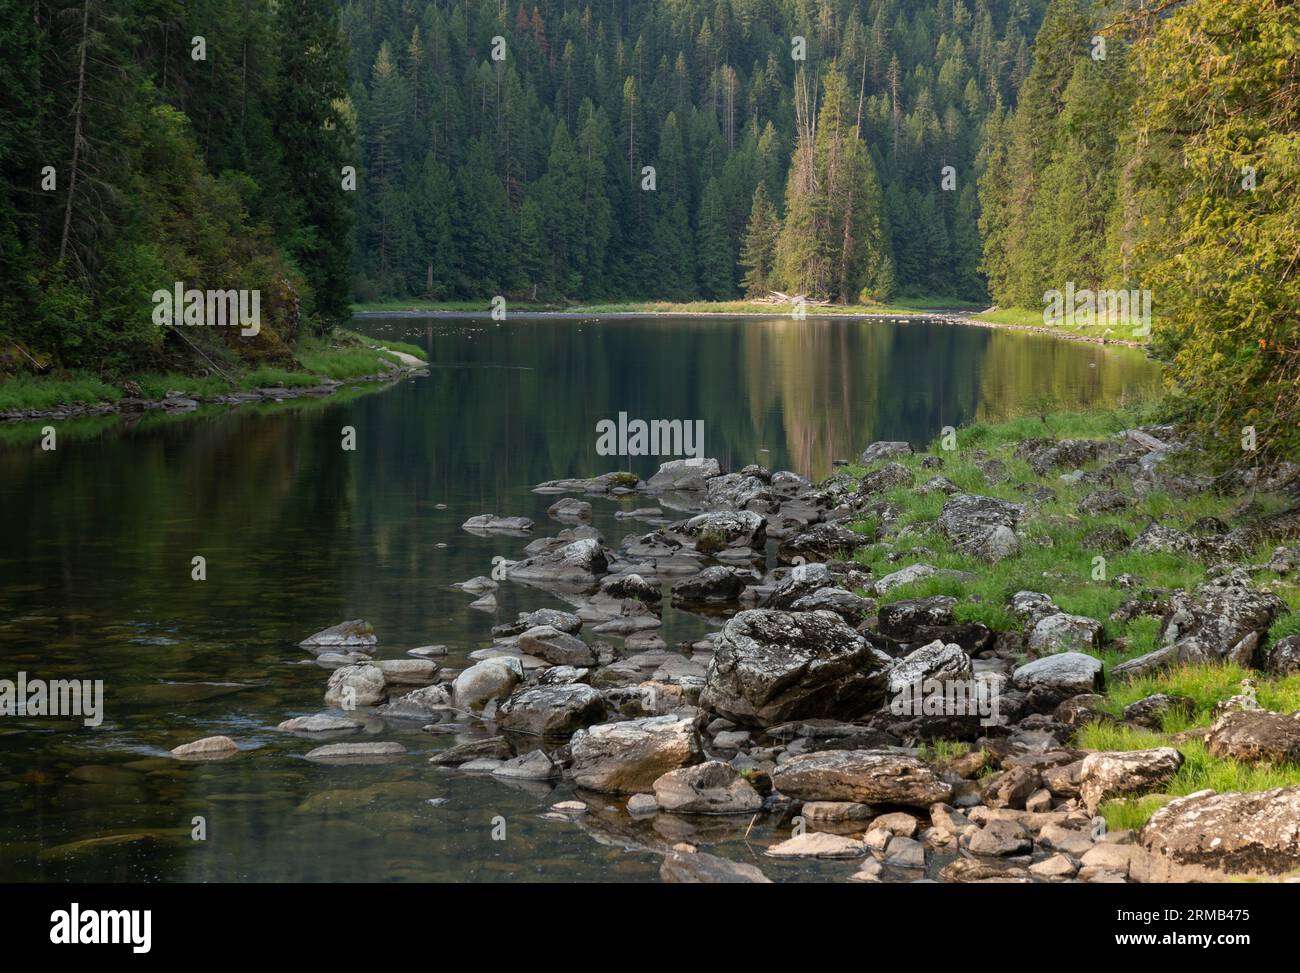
(175, 402)
(789, 712)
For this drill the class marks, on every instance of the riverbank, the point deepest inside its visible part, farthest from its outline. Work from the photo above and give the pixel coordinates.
(322, 366)
(1050, 649)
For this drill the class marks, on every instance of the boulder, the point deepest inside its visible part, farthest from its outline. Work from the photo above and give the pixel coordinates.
(884, 450)
(1064, 633)
(817, 844)
(719, 529)
(1208, 836)
(773, 666)
(570, 509)
(628, 757)
(713, 584)
(556, 647)
(683, 474)
(347, 753)
(1222, 615)
(487, 680)
(1064, 674)
(822, 542)
(998, 838)
(579, 563)
(422, 704)
(410, 672)
(981, 525)
(1254, 736)
(699, 868)
(1150, 710)
(1283, 657)
(901, 619)
(534, 765)
(1125, 773)
(891, 476)
(862, 777)
(712, 787)
(551, 711)
(356, 685)
(491, 522)
(907, 575)
(350, 634)
(933, 661)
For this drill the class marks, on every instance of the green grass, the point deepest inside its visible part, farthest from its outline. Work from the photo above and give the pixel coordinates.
(901, 306)
(413, 304)
(1019, 317)
(157, 386)
(1055, 559)
(27, 392)
(414, 350)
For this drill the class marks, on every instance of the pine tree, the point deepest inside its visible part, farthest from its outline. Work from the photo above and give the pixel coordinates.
(714, 262)
(758, 252)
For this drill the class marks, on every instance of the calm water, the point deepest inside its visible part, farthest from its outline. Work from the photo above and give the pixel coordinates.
(299, 534)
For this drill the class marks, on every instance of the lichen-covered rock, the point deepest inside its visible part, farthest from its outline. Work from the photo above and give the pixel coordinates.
(1150, 711)
(1064, 633)
(720, 529)
(1209, 836)
(933, 661)
(900, 619)
(717, 584)
(551, 711)
(579, 563)
(1283, 657)
(772, 666)
(822, 542)
(980, 525)
(891, 476)
(884, 450)
(1228, 615)
(1254, 736)
(861, 776)
(1125, 773)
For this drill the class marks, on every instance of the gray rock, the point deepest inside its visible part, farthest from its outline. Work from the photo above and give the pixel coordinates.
(320, 723)
(356, 632)
(1208, 836)
(773, 666)
(535, 765)
(817, 844)
(891, 476)
(570, 509)
(713, 584)
(579, 563)
(884, 450)
(1283, 656)
(1222, 615)
(1064, 633)
(861, 776)
(556, 647)
(1150, 710)
(699, 868)
(1066, 674)
(422, 704)
(933, 661)
(491, 522)
(901, 619)
(486, 680)
(551, 711)
(999, 838)
(340, 753)
(971, 523)
(410, 672)
(628, 757)
(683, 474)
(708, 788)
(907, 575)
(1121, 774)
(1254, 736)
(356, 685)
(209, 748)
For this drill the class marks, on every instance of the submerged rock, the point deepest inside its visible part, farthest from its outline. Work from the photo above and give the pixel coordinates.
(209, 748)
(356, 753)
(356, 632)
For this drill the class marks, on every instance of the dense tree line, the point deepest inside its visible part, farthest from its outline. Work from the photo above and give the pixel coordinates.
(1167, 165)
(503, 145)
(144, 142)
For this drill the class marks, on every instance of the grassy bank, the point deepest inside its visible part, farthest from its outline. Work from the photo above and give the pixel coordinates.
(898, 306)
(340, 356)
(1059, 545)
(1031, 318)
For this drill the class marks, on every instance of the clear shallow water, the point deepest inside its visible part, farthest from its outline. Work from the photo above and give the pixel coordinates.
(298, 534)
